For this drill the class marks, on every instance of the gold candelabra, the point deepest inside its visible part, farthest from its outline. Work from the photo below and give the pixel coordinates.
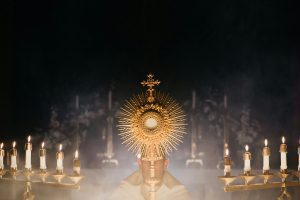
(266, 177)
(53, 178)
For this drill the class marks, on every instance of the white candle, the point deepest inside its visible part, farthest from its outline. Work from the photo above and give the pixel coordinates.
(43, 157)
(247, 159)
(283, 152)
(60, 158)
(76, 164)
(299, 157)
(1, 156)
(13, 157)
(28, 148)
(227, 163)
(266, 157)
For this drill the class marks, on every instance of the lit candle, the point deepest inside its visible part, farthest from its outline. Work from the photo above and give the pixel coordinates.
(299, 156)
(227, 163)
(283, 152)
(76, 164)
(13, 157)
(43, 157)
(1, 156)
(266, 157)
(247, 159)
(60, 158)
(28, 148)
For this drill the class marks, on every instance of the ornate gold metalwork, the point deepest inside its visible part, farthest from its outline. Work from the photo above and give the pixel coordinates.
(150, 83)
(151, 124)
(267, 184)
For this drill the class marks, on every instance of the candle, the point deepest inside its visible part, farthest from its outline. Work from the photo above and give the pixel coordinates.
(60, 158)
(266, 157)
(1, 156)
(76, 164)
(28, 148)
(299, 156)
(13, 157)
(227, 163)
(283, 152)
(247, 159)
(43, 157)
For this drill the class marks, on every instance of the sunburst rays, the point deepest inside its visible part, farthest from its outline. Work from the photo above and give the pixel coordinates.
(157, 142)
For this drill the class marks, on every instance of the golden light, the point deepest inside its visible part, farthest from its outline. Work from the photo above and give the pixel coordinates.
(28, 139)
(247, 147)
(14, 144)
(1, 146)
(43, 144)
(60, 147)
(283, 140)
(76, 154)
(227, 152)
(266, 142)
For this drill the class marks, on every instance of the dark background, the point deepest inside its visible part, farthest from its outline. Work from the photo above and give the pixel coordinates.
(52, 49)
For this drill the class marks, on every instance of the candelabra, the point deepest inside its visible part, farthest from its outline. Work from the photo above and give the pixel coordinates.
(266, 177)
(53, 178)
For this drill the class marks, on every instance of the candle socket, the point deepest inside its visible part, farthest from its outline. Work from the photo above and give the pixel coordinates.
(76, 166)
(59, 172)
(266, 151)
(247, 173)
(28, 146)
(247, 156)
(266, 172)
(227, 160)
(283, 148)
(42, 152)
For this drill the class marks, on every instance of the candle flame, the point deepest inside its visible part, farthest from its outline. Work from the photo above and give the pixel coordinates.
(14, 144)
(1, 145)
(247, 147)
(28, 139)
(60, 147)
(283, 140)
(227, 152)
(43, 144)
(76, 154)
(266, 142)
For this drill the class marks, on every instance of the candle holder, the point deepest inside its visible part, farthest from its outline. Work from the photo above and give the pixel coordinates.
(43, 174)
(2, 172)
(227, 179)
(266, 176)
(14, 172)
(75, 178)
(28, 173)
(58, 176)
(247, 177)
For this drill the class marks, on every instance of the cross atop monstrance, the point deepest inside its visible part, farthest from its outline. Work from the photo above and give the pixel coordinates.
(150, 83)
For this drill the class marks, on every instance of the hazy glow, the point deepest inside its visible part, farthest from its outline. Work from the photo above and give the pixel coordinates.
(266, 142)
(1, 145)
(283, 140)
(151, 123)
(60, 147)
(28, 139)
(14, 144)
(43, 144)
(247, 148)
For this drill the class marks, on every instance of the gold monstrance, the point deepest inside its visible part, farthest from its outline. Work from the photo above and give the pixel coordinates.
(151, 124)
